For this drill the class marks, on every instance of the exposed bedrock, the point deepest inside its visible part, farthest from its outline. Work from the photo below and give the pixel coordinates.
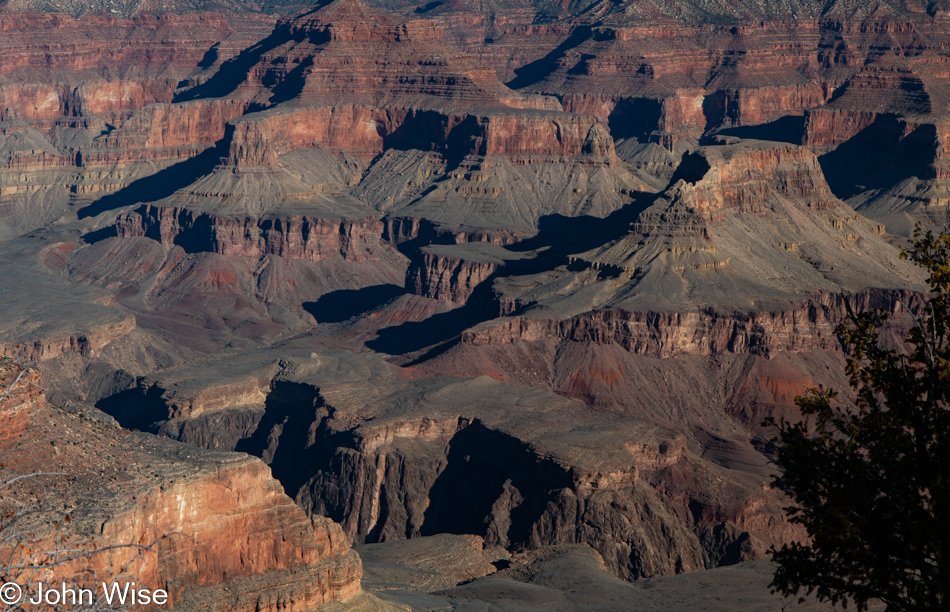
(365, 132)
(808, 326)
(73, 88)
(504, 41)
(717, 179)
(439, 475)
(85, 343)
(159, 131)
(666, 82)
(295, 237)
(415, 230)
(447, 279)
(610, 389)
(54, 65)
(389, 458)
(891, 168)
(689, 113)
(459, 476)
(184, 504)
(447, 276)
(828, 128)
(108, 98)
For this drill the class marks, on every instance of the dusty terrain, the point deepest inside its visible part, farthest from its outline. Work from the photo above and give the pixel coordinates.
(498, 295)
(560, 578)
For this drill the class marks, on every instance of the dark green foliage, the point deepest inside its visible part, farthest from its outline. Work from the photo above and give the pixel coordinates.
(871, 478)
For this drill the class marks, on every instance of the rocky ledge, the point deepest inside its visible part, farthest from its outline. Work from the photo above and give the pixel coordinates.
(214, 530)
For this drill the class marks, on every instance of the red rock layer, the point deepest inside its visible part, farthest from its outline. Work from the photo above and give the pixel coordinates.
(506, 42)
(828, 128)
(744, 180)
(666, 81)
(70, 80)
(212, 522)
(56, 65)
(364, 133)
(338, 51)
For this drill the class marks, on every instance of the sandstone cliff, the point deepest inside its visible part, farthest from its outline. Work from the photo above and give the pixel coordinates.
(184, 505)
(666, 83)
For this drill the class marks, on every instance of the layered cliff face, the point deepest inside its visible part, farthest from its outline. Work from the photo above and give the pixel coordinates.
(748, 226)
(650, 299)
(318, 87)
(718, 181)
(475, 456)
(53, 64)
(65, 86)
(309, 239)
(884, 145)
(453, 272)
(667, 83)
(124, 8)
(809, 326)
(154, 496)
(483, 17)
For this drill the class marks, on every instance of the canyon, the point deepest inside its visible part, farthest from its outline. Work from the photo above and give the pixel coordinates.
(496, 297)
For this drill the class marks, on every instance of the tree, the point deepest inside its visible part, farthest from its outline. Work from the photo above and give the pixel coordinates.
(870, 476)
(35, 547)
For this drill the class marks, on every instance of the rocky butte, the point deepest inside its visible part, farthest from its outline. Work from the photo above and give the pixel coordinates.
(495, 296)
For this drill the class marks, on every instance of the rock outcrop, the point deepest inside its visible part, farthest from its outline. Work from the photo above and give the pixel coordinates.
(168, 512)
(68, 86)
(317, 87)
(298, 237)
(664, 335)
(668, 83)
(452, 273)
(475, 456)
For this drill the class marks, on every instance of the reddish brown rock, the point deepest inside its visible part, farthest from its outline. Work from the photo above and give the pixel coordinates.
(721, 180)
(666, 82)
(366, 132)
(643, 338)
(831, 127)
(185, 505)
(152, 53)
(55, 81)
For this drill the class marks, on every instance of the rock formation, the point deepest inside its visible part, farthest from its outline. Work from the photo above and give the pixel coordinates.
(184, 506)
